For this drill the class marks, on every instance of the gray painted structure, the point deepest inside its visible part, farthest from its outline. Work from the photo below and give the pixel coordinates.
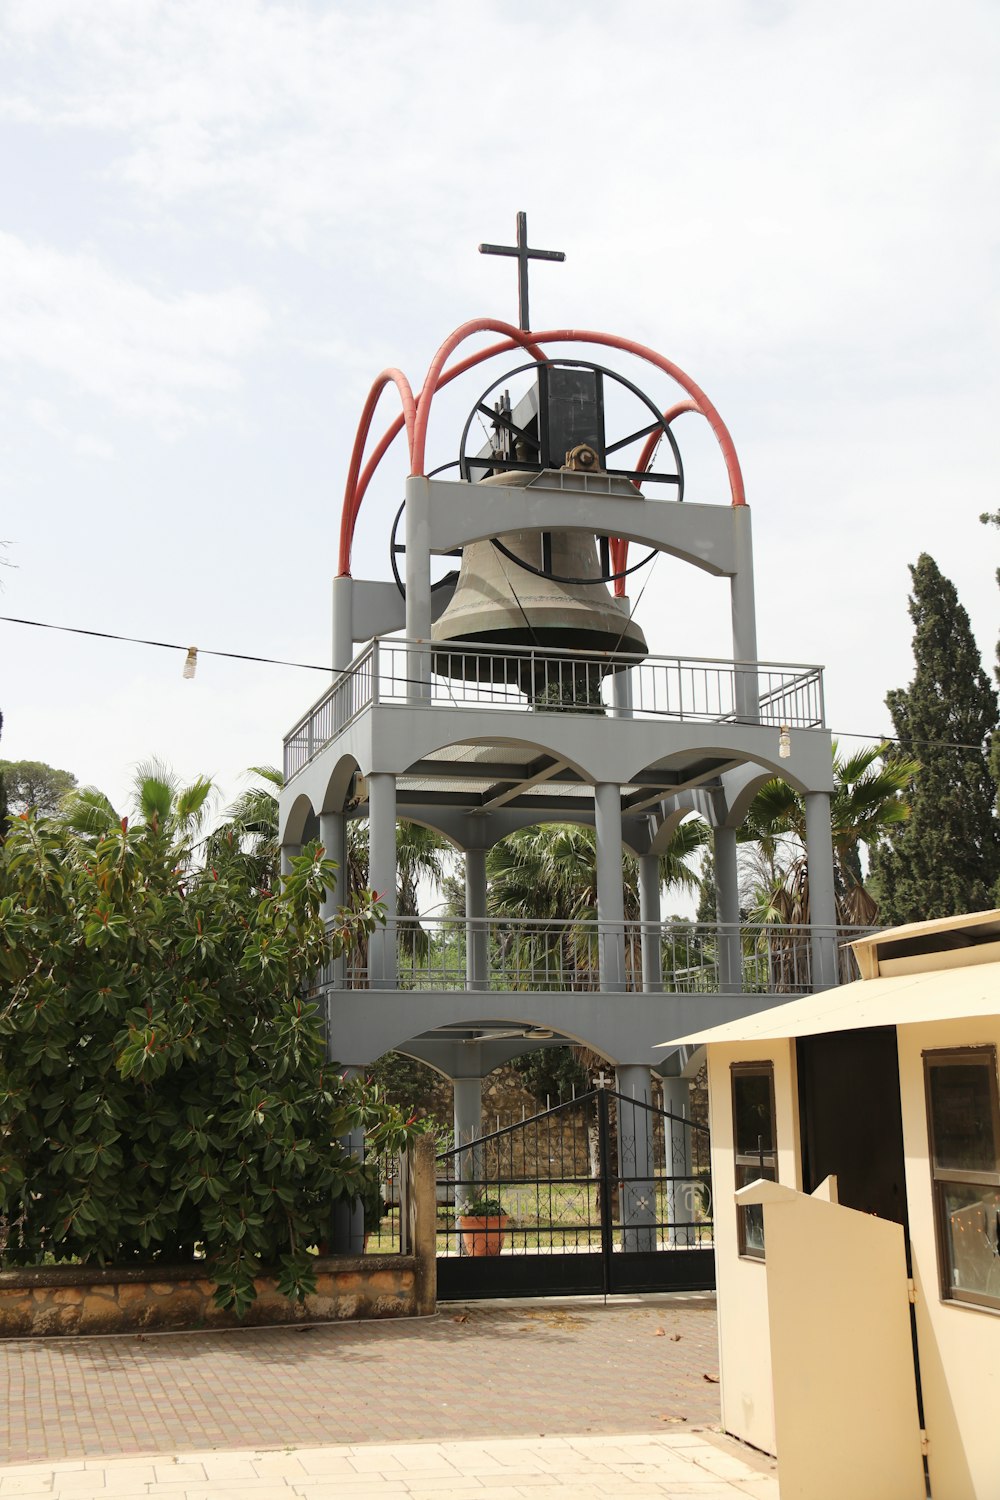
(390, 740)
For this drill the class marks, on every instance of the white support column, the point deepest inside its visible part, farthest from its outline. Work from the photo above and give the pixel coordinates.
(683, 1196)
(468, 1129)
(652, 923)
(822, 892)
(744, 615)
(343, 623)
(333, 837)
(288, 853)
(610, 893)
(418, 589)
(727, 911)
(636, 1159)
(382, 877)
(621, 694)
(477, 938)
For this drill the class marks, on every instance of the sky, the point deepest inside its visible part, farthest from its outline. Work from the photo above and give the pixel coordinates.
(219, 222)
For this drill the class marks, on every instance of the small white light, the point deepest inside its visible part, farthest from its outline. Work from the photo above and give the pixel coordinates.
(784, 743)
(190, 662)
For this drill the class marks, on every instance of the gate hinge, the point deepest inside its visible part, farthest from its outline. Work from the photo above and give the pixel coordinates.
(911, 1290)
(925, 1442)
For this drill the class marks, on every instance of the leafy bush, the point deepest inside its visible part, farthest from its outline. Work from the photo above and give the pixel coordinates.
(164, 1090)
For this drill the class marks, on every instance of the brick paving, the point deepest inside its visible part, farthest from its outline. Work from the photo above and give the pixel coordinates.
(496, 1370)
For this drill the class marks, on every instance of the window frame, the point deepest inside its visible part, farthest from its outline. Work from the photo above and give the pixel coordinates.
(762, 1067)
(943, 1177)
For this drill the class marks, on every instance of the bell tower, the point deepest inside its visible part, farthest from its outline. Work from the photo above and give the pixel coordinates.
(498, 680)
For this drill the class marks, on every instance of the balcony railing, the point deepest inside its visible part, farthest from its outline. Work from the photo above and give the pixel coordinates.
(393, 672)
(505, 954)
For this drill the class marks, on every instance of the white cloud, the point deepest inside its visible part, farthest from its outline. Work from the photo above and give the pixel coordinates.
(153, 353)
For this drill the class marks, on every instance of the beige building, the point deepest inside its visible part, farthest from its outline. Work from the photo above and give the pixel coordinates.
(856, 1183)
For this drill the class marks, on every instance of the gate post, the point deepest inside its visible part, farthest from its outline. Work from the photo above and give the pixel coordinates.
(677, 1139)
(635, 1159)
(468, 1129)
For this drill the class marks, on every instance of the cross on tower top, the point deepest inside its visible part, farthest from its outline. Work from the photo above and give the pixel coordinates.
(523, 254)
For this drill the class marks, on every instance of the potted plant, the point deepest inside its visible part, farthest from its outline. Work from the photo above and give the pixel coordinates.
(482, 1222)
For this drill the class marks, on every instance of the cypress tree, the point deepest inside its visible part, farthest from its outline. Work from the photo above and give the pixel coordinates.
(946, 858)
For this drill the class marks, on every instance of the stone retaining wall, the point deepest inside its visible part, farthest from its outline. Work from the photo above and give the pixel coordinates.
(47, 1300)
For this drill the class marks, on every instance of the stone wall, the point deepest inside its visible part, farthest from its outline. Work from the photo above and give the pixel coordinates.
(47, 1300)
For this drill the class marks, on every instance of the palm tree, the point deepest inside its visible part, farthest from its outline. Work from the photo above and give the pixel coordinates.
(249, 833)
(869, 797)
(159, 801)
(548, 873)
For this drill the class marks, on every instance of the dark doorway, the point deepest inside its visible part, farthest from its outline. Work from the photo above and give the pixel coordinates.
(851, 1120)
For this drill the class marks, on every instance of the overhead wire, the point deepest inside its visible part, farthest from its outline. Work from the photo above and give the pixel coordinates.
(310, 666)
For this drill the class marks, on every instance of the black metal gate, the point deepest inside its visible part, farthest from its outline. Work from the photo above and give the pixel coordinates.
(600, 1194)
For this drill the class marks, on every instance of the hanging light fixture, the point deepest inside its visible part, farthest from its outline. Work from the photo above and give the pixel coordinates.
(784, 742)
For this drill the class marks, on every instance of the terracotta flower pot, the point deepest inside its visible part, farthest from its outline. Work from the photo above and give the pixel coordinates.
(482, 1235)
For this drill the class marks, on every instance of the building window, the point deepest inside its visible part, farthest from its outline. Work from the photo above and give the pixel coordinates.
(963, 1123)
(756, 1146)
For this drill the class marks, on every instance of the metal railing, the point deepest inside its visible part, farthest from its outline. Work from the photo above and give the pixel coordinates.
(506, 954)
(394, 672)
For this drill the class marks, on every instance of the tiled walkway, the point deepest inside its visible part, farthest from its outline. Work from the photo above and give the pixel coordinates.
(572, 1468)
(495, 1400)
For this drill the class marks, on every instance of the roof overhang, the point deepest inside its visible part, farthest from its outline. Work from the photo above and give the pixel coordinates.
(903, 1000)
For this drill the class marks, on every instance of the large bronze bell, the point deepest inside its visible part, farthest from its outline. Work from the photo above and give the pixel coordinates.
(499, 603)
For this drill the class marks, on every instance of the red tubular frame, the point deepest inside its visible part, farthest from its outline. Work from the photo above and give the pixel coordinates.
(416, 414)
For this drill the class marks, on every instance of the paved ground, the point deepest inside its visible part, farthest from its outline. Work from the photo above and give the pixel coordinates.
(565, 1468)
(494, 1400)
(501, 1369)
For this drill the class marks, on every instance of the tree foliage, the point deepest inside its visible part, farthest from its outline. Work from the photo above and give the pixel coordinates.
(164, 1089)
(32, 783)
(946, 858)
(869, 798)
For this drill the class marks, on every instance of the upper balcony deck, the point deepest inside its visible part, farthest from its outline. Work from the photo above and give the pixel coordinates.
(395, 673)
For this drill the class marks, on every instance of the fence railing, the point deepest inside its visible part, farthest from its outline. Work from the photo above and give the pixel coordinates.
(511, 954)
(393, 672)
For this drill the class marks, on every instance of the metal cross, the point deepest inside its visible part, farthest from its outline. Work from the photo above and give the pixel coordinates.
(523, 254)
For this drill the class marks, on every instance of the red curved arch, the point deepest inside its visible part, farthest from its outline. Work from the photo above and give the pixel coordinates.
(354, 497)
(348, 514)
(578, 336)
(416, 414)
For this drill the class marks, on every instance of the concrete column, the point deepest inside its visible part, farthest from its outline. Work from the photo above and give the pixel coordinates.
(468, 1129)
(682, 1193)
(822, 892)
(477, 938)
(621, 694)
(348, 1221)
(744, 616)
(288, 853)
(637, 1182)
(382, 877)
(343, 623)
(610, 893)
(727, 911)
(652, 923)
(418, 589)
(333, 837)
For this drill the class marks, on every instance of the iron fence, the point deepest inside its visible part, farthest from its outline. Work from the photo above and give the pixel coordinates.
(507, 954)
(601, 1190)
(393, 672)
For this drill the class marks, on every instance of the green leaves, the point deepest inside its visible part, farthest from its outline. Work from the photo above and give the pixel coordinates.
(163, 1083)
